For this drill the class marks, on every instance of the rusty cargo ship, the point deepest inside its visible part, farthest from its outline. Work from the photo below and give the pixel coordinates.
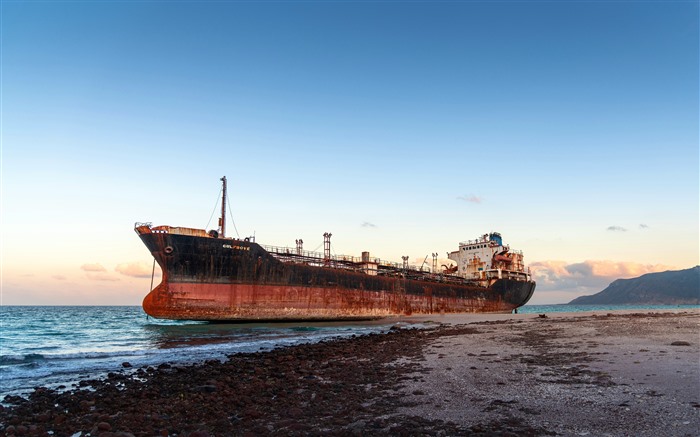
(207, 276)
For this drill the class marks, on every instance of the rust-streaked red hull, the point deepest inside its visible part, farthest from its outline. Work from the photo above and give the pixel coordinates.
(202, 301)
(217, 279)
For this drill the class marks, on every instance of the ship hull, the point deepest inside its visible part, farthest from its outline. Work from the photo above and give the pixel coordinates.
(232, 280)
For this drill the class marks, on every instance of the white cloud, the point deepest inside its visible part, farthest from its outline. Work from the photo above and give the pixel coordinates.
(136, 269)
(97, 272)
(590, 276)
(616, 229)
(368, 225)
(471, 198)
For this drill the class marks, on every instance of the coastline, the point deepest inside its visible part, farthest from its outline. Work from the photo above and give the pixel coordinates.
(595, 373)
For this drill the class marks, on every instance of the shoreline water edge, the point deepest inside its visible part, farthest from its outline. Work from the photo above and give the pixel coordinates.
(631, 372)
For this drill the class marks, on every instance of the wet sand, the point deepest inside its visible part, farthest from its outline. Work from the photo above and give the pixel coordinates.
(623, 373)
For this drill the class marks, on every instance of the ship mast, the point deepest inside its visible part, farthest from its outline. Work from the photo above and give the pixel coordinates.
(222, 220)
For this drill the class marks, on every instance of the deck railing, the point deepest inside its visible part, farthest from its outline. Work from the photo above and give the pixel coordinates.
(292, 252)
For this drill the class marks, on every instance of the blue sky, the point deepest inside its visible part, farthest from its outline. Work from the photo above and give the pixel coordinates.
(400, 127)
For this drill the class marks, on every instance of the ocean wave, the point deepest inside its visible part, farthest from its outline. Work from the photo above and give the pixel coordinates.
(304, 329)
(94, 355)
(8, 360)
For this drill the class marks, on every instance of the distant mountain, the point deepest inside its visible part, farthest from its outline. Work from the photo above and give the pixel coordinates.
(665, 288)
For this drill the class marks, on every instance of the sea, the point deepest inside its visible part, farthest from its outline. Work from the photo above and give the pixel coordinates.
(57, 346)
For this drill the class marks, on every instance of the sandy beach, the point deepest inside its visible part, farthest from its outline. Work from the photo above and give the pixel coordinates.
(622, 373)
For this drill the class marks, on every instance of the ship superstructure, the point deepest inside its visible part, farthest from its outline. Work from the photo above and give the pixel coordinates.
(487, 258)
